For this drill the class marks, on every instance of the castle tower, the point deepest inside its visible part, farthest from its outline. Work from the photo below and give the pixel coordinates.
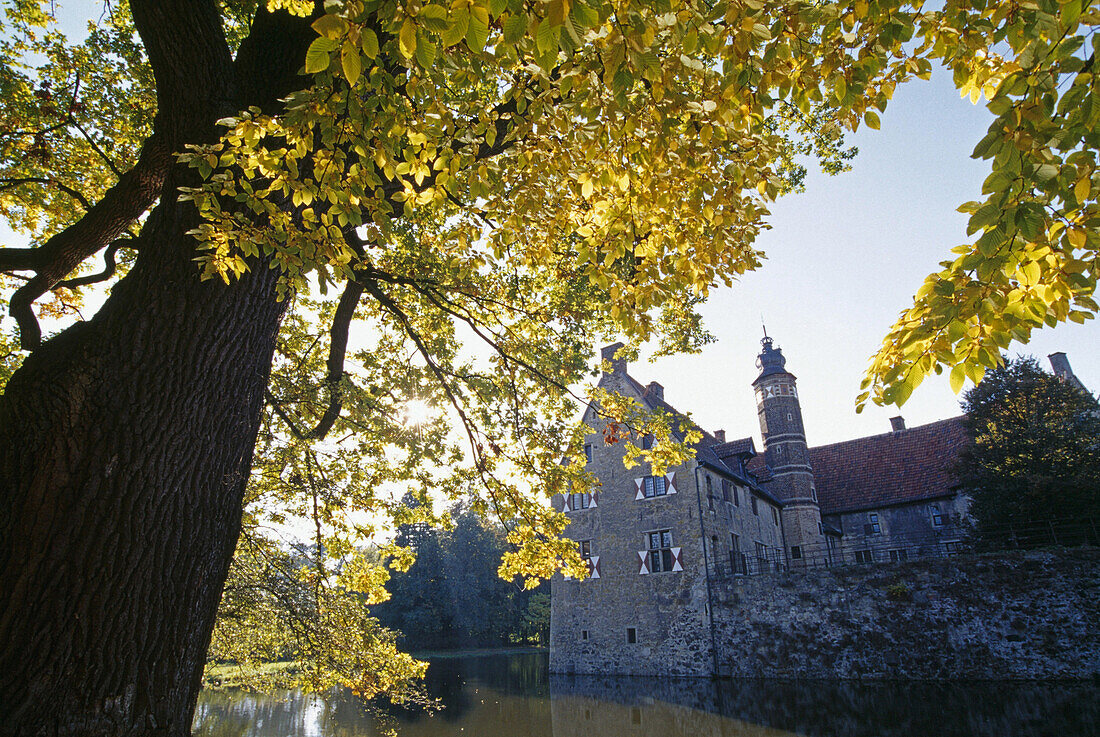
(787, 456)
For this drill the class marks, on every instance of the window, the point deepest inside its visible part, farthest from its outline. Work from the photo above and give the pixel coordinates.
(937, 518)
(761, 551)
(736, 496)
(654, 486)
(872, 527)
(952, 548)
(896, 556)
(579, 501)
(631, 635)
(813, 492)
(796, 552)
(789, 417)
(737, 558)
(584, 634)
(775, 516)
(754, 509)
(647, 442)
(725, 490)
(586, 549)
(660, 551)
(588, 452)
(710, 494)
(864, 556)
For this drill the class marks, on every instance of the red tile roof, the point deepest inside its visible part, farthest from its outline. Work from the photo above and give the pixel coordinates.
(893, 468)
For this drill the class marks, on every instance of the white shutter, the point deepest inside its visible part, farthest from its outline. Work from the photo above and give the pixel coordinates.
(671, 477)
(568, 503)
(677, 560)
(594, 566)
(643, 558)
(638, 485)
(595, 495)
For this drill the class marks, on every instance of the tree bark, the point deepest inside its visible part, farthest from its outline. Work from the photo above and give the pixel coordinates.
(126, 441)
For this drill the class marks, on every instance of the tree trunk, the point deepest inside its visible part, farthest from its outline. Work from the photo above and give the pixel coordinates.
(126, 441)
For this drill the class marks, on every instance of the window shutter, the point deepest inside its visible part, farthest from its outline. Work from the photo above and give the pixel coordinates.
(677, 560)
(643, 557)
(638, 484)
(594, 566)
(568, 503)
(671, 477)
(595, 496)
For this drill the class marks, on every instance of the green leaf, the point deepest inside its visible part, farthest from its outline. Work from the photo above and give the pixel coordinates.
(434, 18)
(514, 28)
(871, 119)
(425, 53)
(317, 57)
(477, 34)
(368, 40)
(460, 23)
(546, 37)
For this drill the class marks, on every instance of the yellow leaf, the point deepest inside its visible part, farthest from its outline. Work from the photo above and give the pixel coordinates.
(1081, 189)
(352, 64)
(407, 38)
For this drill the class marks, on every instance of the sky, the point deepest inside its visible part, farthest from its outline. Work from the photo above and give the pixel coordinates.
(844, 258)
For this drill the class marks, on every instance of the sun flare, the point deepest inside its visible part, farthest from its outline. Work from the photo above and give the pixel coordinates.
(418, 412)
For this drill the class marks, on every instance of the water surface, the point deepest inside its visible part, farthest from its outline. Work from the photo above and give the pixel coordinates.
(514, 696)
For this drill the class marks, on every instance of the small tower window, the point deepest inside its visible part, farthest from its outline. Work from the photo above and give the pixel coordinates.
(631, 635)
(588, 452)
(789, 417)
(584, 634)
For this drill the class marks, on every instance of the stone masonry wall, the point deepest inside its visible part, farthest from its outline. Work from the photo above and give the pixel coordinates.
(1031, 614)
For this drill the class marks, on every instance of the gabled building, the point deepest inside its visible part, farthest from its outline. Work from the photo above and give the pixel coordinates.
(656, 545)
(660, 547)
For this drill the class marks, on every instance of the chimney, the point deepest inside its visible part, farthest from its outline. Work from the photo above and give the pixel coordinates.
(897, 424)
(607, 353)
(720, 435)
(1060, 364)
(655, 390)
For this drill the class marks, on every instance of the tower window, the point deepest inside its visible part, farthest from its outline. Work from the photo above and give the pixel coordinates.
(631, 635)
(775, 515)
(754, 509)
(789, 417)
(796, 552)
(584, 634)
(937, 518)
(588, 452)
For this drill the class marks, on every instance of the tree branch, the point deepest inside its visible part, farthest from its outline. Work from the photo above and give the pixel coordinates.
(134, 193)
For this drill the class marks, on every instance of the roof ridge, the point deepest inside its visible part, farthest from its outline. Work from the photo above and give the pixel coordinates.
(891, 433)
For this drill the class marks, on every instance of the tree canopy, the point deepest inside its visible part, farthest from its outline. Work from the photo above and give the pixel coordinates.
(310, 213)
(1035, 454)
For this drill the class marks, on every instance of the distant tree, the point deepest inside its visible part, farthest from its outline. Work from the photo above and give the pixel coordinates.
(1036, 447)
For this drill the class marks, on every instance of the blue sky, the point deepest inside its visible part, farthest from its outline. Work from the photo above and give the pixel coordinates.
(844, 258)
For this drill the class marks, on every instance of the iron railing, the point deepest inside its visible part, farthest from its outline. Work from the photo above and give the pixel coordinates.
(884, 548)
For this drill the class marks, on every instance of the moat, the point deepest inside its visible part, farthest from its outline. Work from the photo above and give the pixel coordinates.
(515, 696)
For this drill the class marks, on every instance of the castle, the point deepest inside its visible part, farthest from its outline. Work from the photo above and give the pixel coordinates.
(659, 548)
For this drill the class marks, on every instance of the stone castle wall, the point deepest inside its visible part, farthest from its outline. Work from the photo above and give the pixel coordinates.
(1017, 615)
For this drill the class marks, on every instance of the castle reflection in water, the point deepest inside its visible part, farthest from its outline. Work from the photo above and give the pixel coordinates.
(513, 696)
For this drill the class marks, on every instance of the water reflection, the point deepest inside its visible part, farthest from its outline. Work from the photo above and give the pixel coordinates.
(514, 696)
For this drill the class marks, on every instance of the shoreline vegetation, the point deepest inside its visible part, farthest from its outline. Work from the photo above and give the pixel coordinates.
(235, 675)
